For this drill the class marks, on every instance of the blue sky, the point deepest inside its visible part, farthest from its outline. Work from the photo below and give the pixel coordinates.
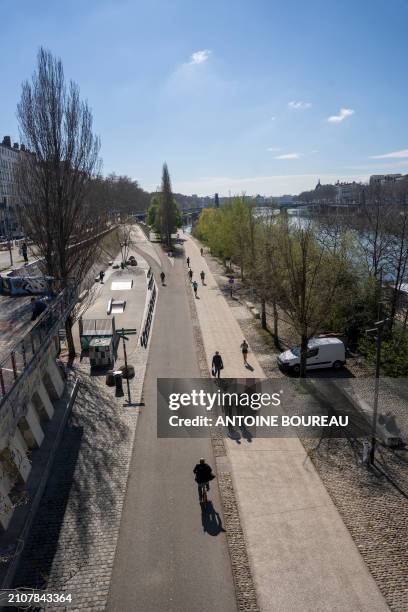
(236, 95)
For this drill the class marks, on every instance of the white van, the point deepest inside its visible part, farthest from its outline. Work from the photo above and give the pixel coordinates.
(321, 353)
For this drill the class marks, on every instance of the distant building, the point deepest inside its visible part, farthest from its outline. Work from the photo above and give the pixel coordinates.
(348, 194)
(9, 158)
(385, 179)
(284, 200)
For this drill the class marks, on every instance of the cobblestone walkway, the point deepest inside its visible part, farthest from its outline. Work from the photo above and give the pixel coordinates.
(71, 547)
(373, 510)
(72, 544)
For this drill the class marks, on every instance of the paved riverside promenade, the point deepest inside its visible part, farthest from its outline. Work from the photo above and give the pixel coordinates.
(72, 542)
(302, 555)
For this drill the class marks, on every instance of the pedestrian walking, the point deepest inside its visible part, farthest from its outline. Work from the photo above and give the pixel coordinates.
(101, 276)
(188, 262)
(244, 349)
(37, 307)
(217, 365)
(202, 276)
(190, 273)
(202, 251)
(195, 287)
(24, 253)
(162, 277)
(231, 284)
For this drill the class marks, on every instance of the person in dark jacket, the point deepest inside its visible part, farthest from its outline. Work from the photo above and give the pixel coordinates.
(24, 253)
(244, 349)
(217, 364)
(203, 475)
(37, 308)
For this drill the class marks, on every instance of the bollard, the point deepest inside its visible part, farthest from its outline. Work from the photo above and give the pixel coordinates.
(118, 382)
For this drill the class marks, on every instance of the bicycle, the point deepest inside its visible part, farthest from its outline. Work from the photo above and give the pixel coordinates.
(202, 492)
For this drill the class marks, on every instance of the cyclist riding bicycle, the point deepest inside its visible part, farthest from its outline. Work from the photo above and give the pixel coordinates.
(203, 475)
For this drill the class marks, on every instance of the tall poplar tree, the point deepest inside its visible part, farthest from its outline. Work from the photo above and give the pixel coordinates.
(168, 211)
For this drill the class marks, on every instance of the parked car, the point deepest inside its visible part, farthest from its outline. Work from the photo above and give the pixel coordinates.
(321, 353)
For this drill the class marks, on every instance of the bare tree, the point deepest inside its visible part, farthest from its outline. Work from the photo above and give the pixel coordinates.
(398, 259)
(125, 240)
(54, 178)
(306, 276)
(374, 228)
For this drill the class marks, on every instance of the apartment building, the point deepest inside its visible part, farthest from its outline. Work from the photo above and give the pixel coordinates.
(9, 158)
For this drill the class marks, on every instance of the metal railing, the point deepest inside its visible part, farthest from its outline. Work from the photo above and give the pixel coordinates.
(144, 336)
(21, 355)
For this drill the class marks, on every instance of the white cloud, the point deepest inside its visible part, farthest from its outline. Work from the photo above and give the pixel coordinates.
(343, 113)
(403, 154)
(273, 149)
(288, 156)
(299, 104)
(199, 57)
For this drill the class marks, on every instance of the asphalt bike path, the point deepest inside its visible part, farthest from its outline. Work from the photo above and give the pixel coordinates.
(170, 555)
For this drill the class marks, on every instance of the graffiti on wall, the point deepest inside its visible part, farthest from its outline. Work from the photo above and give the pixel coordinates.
(28, 285)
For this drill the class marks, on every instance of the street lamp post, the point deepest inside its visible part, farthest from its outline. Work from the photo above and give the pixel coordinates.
(378, 332)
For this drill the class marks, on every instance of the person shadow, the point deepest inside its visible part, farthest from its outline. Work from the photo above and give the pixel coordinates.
(249, 367)
(210, 519)
(234, 434)
(246, 434)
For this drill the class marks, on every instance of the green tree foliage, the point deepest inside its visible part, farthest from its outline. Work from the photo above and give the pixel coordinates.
(226, 230)
(394, 353)
(167, 208)
(153, 213)
(356, 310)
(308, 276)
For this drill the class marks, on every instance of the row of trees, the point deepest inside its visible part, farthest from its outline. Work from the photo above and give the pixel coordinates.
(117, 194)
(319, 275)
(65, 203)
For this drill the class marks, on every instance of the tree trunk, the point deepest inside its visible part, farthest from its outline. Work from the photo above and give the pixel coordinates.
(303, 355)
(275, 323)
(405, 319)
(263, 314)
(70, 338)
